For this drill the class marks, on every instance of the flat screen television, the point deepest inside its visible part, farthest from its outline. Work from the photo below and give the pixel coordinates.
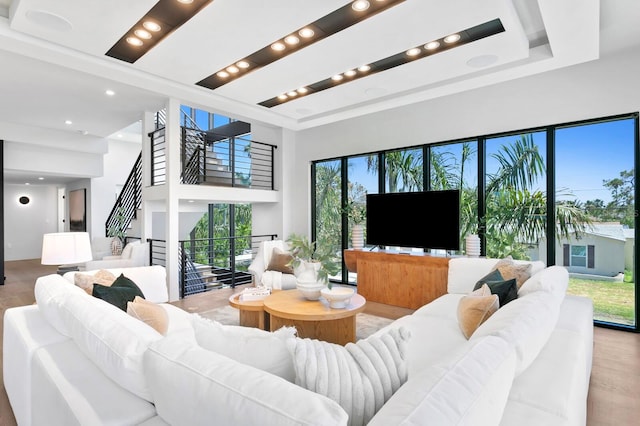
(428, 219)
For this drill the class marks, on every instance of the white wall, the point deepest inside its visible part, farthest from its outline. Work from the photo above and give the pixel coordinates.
(24, 225)
(601, 88)
(104, 190)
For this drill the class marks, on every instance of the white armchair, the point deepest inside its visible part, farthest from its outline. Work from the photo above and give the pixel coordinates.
(269, 266)
(135, 253)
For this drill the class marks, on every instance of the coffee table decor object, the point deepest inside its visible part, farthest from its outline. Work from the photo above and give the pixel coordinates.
(338, 297)
(310, 289)
(254, 293)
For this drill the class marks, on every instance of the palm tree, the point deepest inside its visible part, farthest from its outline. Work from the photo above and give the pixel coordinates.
(516, 212)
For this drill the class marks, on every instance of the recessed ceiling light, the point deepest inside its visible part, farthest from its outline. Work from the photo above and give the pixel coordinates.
(134, 41)
(292, 94)
(68, 122)
(151, 26)
(242, 64)
(452, 38)
(302, 90)
(306, 32)
(162, 19)
(27, 183)
(466, 36)
(232, 69)
(282, 97)
(222, 74)
(109, 92)
(350, 73)
(342, 18)
(432, 45)
(291, 40)
(360, 5)
(40, 178)
(144, 34)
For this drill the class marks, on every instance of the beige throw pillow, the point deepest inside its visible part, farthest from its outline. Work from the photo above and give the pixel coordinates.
(280, 261)
(150, 313)
(86, 281)
(509, 270)
(475, 308)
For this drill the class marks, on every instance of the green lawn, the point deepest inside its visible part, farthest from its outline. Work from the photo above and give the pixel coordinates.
(612, 301)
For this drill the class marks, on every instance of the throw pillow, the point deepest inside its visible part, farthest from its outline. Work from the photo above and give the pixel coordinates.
(121, 291)
(494, 275)
(85, 281)
(261, 349)
(280, 261)
(475, 308)
(509, 269)
(359, 376)
(150, 313)
(506, 290)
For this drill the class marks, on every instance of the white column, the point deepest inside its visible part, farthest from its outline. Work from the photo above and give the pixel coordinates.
(172, 202)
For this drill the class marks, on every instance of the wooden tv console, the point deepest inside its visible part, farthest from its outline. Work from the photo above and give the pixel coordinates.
(405, 280)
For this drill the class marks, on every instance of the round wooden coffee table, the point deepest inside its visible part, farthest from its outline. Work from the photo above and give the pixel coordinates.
(252, 313)
(314, 318)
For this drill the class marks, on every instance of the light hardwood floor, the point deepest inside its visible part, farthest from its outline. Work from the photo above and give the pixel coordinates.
(614, 391)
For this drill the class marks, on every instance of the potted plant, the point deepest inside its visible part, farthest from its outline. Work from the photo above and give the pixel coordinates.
(117, 232)
(317, 262)
(357, 214)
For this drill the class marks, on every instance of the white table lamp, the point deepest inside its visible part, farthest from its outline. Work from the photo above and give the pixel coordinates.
(63, 248)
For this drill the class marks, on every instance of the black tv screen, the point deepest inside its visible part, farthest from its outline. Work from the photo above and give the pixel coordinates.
(429, 219)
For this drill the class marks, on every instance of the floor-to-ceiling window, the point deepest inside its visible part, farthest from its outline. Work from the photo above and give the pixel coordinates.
(595, 178)
(455, 166)
(362, 179)
(328, 206)
(516, 197)
(403, 170)
(564, 194)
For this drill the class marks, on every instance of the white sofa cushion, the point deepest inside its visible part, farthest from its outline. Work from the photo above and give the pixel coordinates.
(110, 338)
(194, 386)
(252, 346)
(68, 389)
(472, 389)
(554, 279)
(359, 376)
(526, 323)
(434, 322)
(25, 330)
(553, 390)
(50, 291)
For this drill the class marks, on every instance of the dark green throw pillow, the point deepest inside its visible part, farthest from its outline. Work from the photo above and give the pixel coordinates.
(122, 290)
(505, 290)
(494, 275)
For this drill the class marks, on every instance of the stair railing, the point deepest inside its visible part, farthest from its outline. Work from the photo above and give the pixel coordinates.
(128, 201)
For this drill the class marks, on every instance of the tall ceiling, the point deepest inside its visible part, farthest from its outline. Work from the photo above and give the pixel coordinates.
(53, 65)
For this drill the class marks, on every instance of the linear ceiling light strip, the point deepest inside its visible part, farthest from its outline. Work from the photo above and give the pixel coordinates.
(348, 15)
(430, 48)
(160, 21)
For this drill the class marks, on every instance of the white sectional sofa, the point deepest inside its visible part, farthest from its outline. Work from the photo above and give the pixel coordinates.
(75, 359)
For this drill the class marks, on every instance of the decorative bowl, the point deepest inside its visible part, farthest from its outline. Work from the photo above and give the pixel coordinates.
(310, 289)
(338, 297)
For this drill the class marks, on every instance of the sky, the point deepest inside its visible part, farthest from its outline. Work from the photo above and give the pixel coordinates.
(585, 156)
